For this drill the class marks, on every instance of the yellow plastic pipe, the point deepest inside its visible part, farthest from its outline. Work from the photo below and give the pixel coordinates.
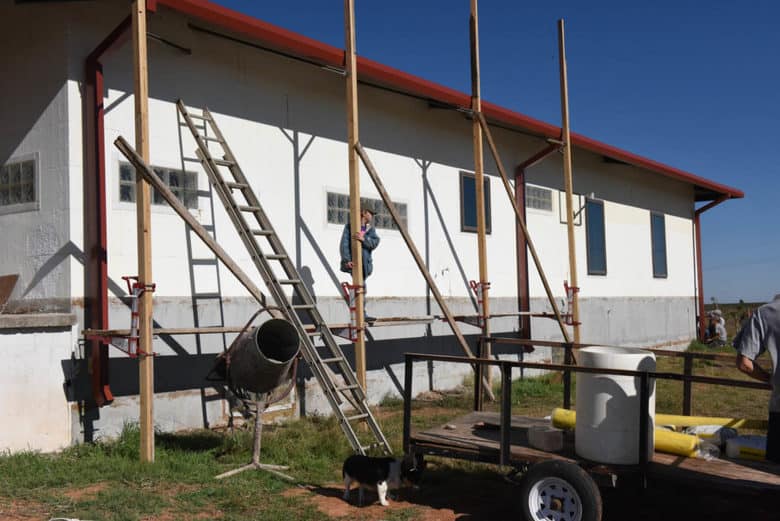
(665, 441)
(691, 421)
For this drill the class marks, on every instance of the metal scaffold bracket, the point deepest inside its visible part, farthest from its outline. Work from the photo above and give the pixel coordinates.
(350, 293)
(129, 344)
(479, 290)
(571, 291)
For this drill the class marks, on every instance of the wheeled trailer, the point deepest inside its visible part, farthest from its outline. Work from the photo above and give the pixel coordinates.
(561, 486)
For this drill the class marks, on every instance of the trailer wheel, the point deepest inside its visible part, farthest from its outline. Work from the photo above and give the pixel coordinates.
(559, 491)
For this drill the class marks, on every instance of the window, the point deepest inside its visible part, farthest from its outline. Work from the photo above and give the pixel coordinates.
(338, 211)
(658, 240)
(539, 198)
(468, 203)
(595, 237)
(184, 185)
(578, 201)
(18, 186)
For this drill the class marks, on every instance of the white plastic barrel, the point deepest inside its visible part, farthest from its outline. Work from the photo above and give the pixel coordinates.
(607, 425)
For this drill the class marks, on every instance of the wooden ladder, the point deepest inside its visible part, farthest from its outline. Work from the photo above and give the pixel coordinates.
(327, 362)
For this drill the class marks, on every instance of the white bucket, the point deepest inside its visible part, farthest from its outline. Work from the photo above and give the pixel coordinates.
(607, 425)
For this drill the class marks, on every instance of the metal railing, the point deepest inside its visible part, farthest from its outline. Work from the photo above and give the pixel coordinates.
(687, 356)
(646, 380)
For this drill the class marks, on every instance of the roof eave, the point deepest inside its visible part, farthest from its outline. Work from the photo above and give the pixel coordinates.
(375, 72)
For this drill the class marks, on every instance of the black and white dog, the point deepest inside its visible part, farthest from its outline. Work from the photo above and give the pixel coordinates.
(381, 473)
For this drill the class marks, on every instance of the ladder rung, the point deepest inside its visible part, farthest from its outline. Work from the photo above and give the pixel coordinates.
(199, 127)
(357, 417)
(234, 186)
(276, 257)
(249, 208)
(195, 116)
(214, 139)
(289, 281)
(208, 227)
(348, 387)
(223, 162)
(331, 360)
(262, 232)
(303, 306)
(204, 262)
(206, 295)
(192, 159)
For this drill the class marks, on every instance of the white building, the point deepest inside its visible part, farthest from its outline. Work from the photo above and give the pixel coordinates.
(280, 101)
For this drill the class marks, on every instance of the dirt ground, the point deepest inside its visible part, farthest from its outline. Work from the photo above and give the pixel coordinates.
(479, 494)
(487, 498)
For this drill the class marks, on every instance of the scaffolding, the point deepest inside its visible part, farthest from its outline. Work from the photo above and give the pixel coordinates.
(357, 154)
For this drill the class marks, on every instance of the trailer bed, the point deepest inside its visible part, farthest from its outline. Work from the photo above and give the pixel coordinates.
(476, 436)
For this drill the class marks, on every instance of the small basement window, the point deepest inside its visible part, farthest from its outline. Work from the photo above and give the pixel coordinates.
(468, 203)
(19, 186)
(183, 184)
(338, 211)
(658, 244)
(595, 236)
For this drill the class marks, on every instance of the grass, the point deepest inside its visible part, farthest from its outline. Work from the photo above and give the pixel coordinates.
(107, 481)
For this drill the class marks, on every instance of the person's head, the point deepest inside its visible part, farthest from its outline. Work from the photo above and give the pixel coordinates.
(366, 215)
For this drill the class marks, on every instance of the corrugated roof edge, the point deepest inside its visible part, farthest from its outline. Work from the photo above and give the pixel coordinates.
(370, 70)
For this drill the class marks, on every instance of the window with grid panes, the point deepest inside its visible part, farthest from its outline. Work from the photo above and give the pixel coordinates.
(538, 198)
(17, 186)
(183, 184)
(338, 211)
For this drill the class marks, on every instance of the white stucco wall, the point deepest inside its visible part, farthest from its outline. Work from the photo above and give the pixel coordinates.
(34, 409)
(260, 113)
(34, 105)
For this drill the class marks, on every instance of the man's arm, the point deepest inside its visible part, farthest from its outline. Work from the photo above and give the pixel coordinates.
(752, 369)
(370, 239)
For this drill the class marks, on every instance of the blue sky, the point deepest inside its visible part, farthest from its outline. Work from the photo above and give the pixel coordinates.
(694, 87)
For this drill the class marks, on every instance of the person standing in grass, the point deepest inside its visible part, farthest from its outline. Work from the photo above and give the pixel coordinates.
(762, 333)
(716, 332)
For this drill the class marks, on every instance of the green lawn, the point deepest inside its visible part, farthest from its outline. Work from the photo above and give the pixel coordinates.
(106, 481)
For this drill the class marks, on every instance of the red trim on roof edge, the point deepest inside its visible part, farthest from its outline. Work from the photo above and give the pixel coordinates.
(300, 45)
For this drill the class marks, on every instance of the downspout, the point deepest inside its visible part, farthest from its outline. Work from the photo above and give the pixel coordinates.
(523, 291)
(95, 242)
(699, 275)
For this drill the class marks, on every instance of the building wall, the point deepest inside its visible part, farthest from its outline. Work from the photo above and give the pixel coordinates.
(34, 105)
(285, 122)
(34, 408)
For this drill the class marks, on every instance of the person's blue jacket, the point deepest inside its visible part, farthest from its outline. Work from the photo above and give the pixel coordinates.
(370, 242)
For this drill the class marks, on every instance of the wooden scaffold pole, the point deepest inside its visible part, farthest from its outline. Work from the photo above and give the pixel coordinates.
(350, 63)
(479, 183)
(568, 184)
(143, 194)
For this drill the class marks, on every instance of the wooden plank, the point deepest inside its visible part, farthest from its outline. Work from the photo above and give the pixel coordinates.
(417, 258)
(353, 134)
(521, 222)
(142, 168)
(479, 433)
(479, 178)
(143, 201)
(567, 181)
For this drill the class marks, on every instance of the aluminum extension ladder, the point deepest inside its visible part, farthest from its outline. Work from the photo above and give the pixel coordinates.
(327, 366)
